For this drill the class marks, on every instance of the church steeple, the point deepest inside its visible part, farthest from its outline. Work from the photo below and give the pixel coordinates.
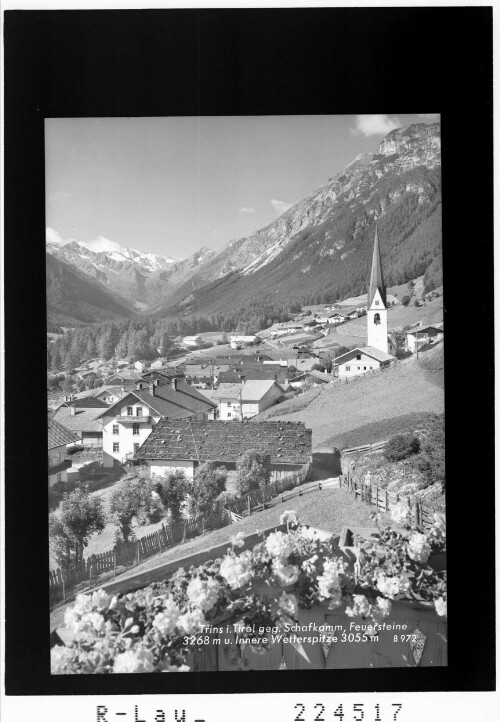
(376, 277)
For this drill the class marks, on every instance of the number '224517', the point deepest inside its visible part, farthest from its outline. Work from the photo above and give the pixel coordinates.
(360, 713)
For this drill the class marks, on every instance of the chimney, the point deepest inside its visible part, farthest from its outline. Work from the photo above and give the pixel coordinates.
(72, 409)
(174, 384)
(152, 387)
(139, 386)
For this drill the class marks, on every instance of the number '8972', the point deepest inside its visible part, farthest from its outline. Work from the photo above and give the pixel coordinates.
(347, 713)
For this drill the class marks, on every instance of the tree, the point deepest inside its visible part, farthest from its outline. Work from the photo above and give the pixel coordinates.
(80, 516)
(405, 300)
(71, 361)
(254, 472)
(172, 488)
(67, 384)
(209, 482)
(134, 499)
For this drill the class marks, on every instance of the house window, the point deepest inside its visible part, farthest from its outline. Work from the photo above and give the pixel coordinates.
(376, 318)
(130, 411)
(116, 447)
(116, 429)
(138, 411)
(358, 357)
(359, 368)
(347, 368)
(377, 303)
(364, 368)
(135, 429)
(229, 414)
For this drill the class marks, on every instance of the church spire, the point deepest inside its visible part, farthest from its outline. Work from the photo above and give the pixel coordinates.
(376, 277)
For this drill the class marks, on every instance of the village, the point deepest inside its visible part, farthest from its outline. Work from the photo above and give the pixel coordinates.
(169, 458)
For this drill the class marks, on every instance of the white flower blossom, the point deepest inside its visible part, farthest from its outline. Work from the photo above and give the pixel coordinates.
(138, 659)
(279, 545)
(203, 593)
(288, 604)
(191, 622)
(392, 586)
(289, 516)
(441, 607)
(419, 548)
(238, 540)
(399, 513)
(83, 603)
(62, 659)
(101, 600)
(286, 573)
(237, 570)
(360, 607)
(166, 620)
(175, 668)
(329, 581)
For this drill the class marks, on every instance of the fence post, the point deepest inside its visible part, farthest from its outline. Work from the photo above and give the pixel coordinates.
(184, 533)
(64, 588)
(114, 562)
(386, 500)
(376, 496)
(249, 510)
(90, 575)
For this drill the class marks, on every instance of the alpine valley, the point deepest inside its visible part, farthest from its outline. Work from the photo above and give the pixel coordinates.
(319, 250)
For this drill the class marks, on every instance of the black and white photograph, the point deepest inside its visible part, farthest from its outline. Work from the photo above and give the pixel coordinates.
(245, 340)
(248, 290)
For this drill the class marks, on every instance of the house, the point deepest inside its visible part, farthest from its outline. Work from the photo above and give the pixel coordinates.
(362, 360)
(301, 338)
(197, 374)
(184, 444)
(141, 365)
(242, 340)
(128, 423)
(192, 341)
(243, 400)
(58, 439)
(422, 336)
(314, 377)
(158, 364)
(83, 421)
(109, 394)
(331, 317)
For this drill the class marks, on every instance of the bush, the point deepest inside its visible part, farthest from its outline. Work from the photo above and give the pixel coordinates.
(401, 447)
(432, 459)
(405, 300)
(403, 353)
(209, 482)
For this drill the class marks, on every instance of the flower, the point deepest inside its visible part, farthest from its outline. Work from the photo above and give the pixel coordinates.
(289, 516)
(175, 668)
(308, 564)
(203, 593)
(392, 586)
(439, 524)
(419, 548)
(83, 603)
(237, 570)
(138, 659)
(279, 545)
(441, 607)
(101, 600)
(238, 540)
(360, 607)
(286, 573)
(329, 581)
(165, 622)
(191, 622)
(399, 513)
(288, 604)
(62, 659)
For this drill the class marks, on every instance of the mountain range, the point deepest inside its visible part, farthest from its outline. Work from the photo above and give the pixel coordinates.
(318, 250)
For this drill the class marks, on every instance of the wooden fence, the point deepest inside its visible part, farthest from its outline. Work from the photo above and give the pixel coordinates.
(62, 582)
(386, 500)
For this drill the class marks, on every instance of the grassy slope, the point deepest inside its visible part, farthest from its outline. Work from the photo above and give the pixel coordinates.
(407, 388)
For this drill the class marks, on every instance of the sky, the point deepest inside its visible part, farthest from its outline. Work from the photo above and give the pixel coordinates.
(173, 185)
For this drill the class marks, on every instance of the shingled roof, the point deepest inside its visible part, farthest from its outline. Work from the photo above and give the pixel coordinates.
(225, 441)
(376, 276)
(184, 401)
(82, 420)
(59, 435)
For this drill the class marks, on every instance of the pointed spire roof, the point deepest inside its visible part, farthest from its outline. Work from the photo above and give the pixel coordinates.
(376, 277)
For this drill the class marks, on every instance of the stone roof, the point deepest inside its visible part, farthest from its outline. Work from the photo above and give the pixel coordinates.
(177, 403)
(59, 435)
(82, 420)
(225, 441)
(87, 402)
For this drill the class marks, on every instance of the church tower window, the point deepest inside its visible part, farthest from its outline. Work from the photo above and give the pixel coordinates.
(376, 318)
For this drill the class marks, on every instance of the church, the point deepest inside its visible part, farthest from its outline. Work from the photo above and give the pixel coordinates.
(378, 353)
